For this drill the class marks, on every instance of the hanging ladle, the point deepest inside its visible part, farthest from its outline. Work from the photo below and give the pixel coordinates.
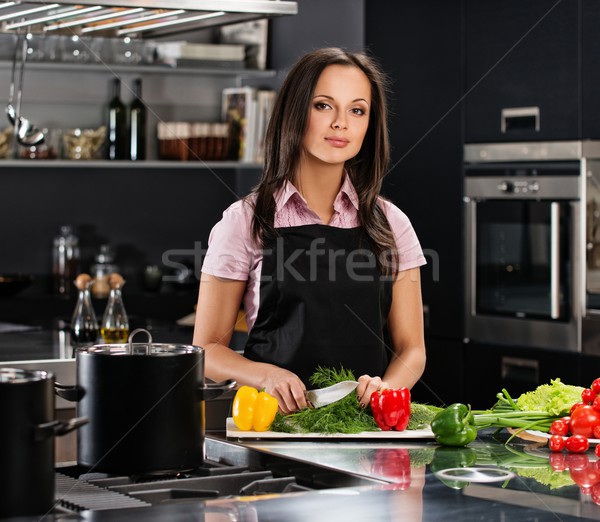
(10, 110)
(26, 133)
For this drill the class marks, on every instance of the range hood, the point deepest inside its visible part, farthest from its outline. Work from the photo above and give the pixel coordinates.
(134, 18)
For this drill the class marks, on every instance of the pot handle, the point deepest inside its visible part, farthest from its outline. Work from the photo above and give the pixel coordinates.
(213, 390)
(69, 393)
(55, 427)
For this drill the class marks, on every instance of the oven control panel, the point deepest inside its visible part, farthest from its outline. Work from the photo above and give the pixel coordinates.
(519, 187)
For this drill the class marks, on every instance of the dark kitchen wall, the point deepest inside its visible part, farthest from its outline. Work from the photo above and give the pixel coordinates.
(419, 44)
(141, 212)
(333, 23)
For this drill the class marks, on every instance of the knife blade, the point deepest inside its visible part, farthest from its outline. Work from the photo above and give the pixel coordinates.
(324, 396)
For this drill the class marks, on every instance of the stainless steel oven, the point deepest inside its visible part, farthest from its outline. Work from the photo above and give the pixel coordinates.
(526, 242)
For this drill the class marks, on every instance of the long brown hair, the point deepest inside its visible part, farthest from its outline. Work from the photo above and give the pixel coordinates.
(283, 148)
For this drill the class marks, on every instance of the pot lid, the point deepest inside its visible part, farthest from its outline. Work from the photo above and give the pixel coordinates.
(139, 349)
(21, 376)
(147, 349)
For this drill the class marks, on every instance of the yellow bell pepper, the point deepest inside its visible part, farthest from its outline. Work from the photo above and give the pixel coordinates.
(253, 409)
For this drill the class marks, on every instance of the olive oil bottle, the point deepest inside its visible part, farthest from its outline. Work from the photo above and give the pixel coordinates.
(115, 323)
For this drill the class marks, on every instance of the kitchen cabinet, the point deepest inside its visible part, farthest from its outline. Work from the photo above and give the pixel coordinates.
(523, 70)
(490, 368)
(590, 69)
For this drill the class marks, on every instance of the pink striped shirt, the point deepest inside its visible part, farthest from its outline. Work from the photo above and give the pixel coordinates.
(232, 253)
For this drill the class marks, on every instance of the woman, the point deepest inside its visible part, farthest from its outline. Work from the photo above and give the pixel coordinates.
(327, 270)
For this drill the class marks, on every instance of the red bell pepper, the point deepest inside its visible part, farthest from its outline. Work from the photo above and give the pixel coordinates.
(391, 408)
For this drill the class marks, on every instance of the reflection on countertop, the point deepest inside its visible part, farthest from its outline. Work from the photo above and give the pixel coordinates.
(488, 480)
(386, 481)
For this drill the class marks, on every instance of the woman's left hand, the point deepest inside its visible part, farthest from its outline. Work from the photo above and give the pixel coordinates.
(366, 386)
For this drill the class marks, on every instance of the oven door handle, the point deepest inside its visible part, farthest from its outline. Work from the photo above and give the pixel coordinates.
(555, 260)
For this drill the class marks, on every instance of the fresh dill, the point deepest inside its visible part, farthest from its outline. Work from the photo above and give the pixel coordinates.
(421, 415)
(343, 416)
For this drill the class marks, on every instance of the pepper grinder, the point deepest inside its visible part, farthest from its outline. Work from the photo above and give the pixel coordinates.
(65, 259)
(84, 325)
(115, 324)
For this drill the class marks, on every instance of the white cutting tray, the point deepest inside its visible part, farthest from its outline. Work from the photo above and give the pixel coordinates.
(235, 433)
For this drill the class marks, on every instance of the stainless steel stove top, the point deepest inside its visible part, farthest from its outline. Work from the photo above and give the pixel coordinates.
(237, 472)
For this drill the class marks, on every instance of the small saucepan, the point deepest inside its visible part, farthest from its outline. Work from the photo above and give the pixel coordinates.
(27, 441)
(145, 402)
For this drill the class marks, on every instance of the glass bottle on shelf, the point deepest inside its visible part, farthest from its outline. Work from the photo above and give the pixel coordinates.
(65, 260)
(115, 324)
(137, 124)
(117, 125)
(84, 325)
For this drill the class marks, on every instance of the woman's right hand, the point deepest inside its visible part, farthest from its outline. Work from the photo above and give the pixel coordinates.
(287, 388)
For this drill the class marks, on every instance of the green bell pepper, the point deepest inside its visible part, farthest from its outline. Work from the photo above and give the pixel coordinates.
(454, 426)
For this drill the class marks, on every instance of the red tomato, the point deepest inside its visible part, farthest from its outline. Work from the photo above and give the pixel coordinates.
(567, 421)
(596, 403)
(558, 462)
(575, 406)
(596, 385)
(588, 396)
(577, 444)
(559, 427)
(556, 443)
(583, 421)
(596, 432)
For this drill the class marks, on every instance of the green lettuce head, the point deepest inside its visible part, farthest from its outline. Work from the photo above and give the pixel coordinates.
(555, 398)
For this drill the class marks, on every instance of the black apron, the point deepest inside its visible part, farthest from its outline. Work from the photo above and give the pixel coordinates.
(322, 303)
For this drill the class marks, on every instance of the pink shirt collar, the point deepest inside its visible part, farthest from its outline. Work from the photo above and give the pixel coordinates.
(283, 195)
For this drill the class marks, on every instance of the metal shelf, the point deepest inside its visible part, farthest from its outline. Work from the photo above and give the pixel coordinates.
(136, 18)
(144, 69)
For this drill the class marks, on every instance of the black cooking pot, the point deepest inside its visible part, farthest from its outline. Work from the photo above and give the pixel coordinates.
(27, 441)
(145, 403)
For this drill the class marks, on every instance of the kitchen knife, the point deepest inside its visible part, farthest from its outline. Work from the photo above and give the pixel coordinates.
(324, 396)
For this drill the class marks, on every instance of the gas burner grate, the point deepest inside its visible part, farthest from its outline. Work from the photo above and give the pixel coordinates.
(82, 489)
(77, 495)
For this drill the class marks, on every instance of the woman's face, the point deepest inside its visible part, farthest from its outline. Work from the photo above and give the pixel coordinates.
(339, 115)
